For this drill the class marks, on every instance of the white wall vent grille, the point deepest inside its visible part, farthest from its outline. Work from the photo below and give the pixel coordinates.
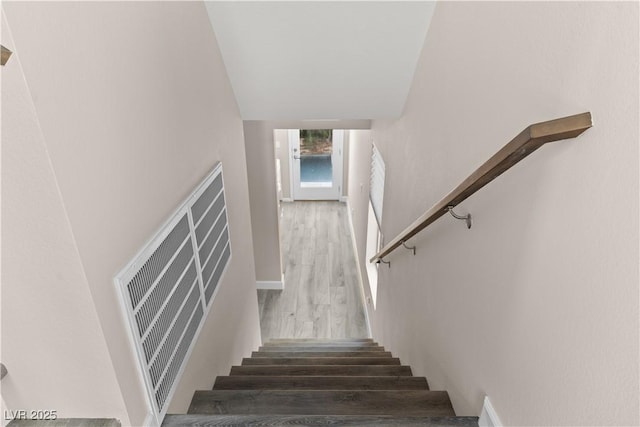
(167, 289)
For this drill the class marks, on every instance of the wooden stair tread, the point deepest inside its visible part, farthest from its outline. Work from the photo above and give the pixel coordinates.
(192, 420)
(322, 402)
(321, 354)
(359, 370)
(321, 361)
(325, 382)
(320, 348)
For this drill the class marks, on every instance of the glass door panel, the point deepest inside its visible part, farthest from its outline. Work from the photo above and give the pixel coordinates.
(317, 163)
(316, 169)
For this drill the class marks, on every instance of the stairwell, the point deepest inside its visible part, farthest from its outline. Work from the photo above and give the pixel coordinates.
(310, 382)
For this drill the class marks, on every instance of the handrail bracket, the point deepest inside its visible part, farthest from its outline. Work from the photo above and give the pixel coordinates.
(411, 248)
(380, 260)
(466, 218)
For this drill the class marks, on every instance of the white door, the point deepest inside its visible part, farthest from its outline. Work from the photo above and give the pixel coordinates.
(316, 156)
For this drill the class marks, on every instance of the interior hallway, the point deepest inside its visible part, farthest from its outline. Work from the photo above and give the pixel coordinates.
(322, 296)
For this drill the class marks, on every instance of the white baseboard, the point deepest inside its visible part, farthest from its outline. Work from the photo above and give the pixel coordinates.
(274, 285)
(488, 416)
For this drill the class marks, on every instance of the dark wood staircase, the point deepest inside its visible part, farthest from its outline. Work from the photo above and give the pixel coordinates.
(307, 382)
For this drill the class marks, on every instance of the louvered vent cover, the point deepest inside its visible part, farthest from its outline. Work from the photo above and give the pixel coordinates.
(167, 289)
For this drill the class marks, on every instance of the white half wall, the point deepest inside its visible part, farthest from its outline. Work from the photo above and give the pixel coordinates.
(360, 148)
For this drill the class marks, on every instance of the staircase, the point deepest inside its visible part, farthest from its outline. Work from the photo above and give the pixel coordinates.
(311, 382)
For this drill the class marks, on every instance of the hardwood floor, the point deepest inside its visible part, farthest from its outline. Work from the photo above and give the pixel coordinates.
(322, 297)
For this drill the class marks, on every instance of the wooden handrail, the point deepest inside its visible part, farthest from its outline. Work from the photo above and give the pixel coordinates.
(4, 55)
(527, 141)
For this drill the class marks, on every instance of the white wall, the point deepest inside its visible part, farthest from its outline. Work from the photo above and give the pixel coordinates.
(134, 108)
(261, 169)
(47, 309)
(536, 305)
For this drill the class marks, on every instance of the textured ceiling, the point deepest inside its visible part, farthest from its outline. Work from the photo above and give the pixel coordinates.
(301, 60)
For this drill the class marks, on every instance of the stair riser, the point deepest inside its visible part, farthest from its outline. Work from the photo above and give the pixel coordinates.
(321, 361)
(259, 354)
(355, 370)
(322, 348)
(255, 382)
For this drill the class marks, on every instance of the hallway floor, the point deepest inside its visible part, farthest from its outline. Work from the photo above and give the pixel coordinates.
(322, 297)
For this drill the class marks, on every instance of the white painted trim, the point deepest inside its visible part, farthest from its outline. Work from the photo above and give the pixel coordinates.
(360, 280)
(293, 138)
(274, 285)
(344, 199)
(150, 420)
(137, 355)
(488, 416)
(287, 200)
(337, 158)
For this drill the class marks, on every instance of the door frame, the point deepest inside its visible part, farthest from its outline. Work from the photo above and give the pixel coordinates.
(298, 192)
